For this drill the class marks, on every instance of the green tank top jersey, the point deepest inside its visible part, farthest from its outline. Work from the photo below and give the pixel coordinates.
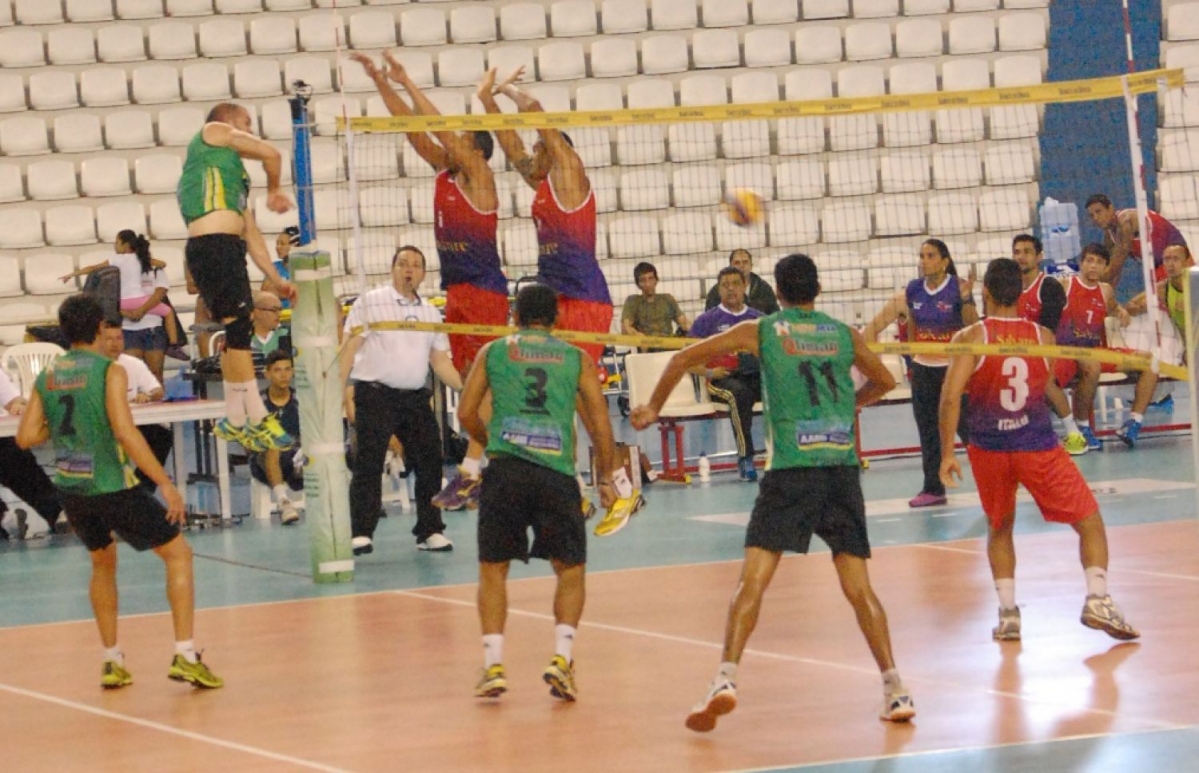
(213, 179)
(807, 390)
(534, 378)
(1176, 307)
(88, 459)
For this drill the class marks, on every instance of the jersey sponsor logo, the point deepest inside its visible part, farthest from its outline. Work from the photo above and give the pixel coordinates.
(817, 435)
(548, 248)
(517, 353)
(810, 348)
(1009, 425)
(531, 436)
(60, 380)
(447, 246)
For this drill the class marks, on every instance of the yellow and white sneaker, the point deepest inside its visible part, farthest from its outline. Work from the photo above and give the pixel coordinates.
(619, 514)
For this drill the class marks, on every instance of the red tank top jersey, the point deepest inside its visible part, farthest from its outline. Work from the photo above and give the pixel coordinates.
(1083, 319)
(566, 246)
(1007, 409)
(1029, 304)
(1162, 234)
(466, 239)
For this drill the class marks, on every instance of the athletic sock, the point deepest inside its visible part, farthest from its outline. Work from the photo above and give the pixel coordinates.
(891, 681)
(187, 649)
(281, 493)
(564, 640)
(1083, 423)
(471, 468)
(1096, 580)
(1070, 425)
(235, 403)
(255, 408)
(1139, 418)
(115, 655)
(1006, 588)
(727, 671)
(493, 649)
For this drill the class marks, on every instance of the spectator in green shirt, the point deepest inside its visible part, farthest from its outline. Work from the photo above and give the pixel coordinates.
(651, 313)
(265, 319)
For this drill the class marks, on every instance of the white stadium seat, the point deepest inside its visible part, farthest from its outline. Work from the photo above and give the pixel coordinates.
(313, 70)
(755, 176)
(613, 58)
(1009, 163)
(898, 215)
(696, 186)
(205, 82)
(775, 11)
(506, 59)
(852, 175)
(20, 228)
(257, 77)
(767, 48)
(730, 236)
(223, 37)
(715, 48)
(868, 40)
(846, 221)
(460, 66)
(635, 236)
(793, 225)
(38, 12)
(52, 179)
(238, 6)
(825, 9)
(800, 179)
(139, 9)
(104, 176)
(23, 136)
(1179, 197)
(178, 125)
(926, 7)
(640, 145)
(1021, 32)
(904, 172)
(967, 6)
(12, 93)
(103, 87)
(964, 124)
(561, 61)
(725, 13)
(703, 90)
(77, 133)
(157, 173)
(71, 45)
(1180, 151)
(573, 18)
(21, 47)
(322, 32)
(662, 54)
(673, 15)
(952, 213)
(875, 9)
(189, 7)
(910, 128)
(12, 188)
(373, 29)
(70, 225)
(644, 189)
(113, 218)
(686, 232)
(1004, 209)
(273, 35)
(1182, 21)
(919, 37)
(123, 43)
(53, 90)
(971, 35)
(43, 272)
(165, 220)
(172, 40)
(89, 10)
(382, 207)
(473, 24)
(622, 16)
(522, 21)
(10, 278)
(817, 44)
(155, 84)
(423, 27)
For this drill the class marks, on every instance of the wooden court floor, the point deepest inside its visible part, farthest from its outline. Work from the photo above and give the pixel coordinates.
(383, 680)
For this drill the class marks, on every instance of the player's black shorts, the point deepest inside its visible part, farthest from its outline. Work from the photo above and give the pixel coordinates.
(218, 267)
(516, 495)
(133, 514)
(797, 502)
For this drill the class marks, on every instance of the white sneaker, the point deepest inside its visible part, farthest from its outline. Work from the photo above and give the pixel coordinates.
(897, 707)
(721, 699)
(362, 545)
(437, 543)
(1102, 614)
(287, 512)
(1009, 625)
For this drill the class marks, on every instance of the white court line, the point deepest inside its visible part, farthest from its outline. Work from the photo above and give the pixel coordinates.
(1121, 570)
(306, 764)
(1155, 723)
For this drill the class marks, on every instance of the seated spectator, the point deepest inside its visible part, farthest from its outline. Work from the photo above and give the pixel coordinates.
(19, 470)
(758, 293)
(735, 380)
(651, 313)
(283, 244)
(281, 470)
(143, 388)
(267, 333)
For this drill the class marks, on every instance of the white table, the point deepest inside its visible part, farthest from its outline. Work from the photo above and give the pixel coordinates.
(176, 414)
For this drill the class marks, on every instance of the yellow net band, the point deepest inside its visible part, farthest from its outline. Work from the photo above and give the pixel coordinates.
(1122, 360)
(1045, 93)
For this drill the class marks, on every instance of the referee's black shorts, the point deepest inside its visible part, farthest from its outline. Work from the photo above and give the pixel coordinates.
(518, 494)
(797, 502)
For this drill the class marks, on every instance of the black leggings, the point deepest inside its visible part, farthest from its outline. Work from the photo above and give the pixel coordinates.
(926, 402)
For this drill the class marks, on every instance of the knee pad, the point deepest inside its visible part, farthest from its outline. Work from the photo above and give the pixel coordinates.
(239, 333)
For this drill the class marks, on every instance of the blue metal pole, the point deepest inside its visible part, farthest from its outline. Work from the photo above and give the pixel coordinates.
(302, 135)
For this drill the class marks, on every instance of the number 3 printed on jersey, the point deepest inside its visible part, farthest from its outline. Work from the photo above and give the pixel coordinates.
(1015, 394)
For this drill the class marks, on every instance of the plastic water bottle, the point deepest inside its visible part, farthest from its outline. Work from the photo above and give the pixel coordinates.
(705, 469)
(1060, 230)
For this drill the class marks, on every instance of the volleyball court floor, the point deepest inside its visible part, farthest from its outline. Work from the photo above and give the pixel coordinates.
(379, 674)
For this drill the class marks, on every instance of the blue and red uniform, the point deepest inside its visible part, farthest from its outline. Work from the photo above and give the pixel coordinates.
(566, 262)
(476, 289)
(936, 315)
(1011, 433)
(1083, 324)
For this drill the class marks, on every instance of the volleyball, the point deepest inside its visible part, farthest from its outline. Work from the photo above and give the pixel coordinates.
(744, 207)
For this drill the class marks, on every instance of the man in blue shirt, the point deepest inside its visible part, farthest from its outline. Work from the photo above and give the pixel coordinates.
(734, 380)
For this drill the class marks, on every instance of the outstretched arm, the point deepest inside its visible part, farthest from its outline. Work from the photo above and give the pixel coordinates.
(222, 135)
(892, 311)
(426, 148)
(568, 173)
(511, 143)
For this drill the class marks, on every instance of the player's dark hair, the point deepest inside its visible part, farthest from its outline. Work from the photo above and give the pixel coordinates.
(1036, 242)
(409, 248)
(730, 271)
(943, 250)
(79, 319)
(1003, 281)
(536, 304)
(737, 252)
(140, 246)
(279, 355)
(1098, 198)
(1096, 249)
(643, 268)
(484, 142)
(796, 279)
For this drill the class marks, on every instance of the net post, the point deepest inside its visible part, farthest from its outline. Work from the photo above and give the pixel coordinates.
(1143, 226)
(301, 130)
(1191, 341)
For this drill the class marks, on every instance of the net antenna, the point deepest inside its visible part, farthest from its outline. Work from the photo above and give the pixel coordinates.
(301, 128)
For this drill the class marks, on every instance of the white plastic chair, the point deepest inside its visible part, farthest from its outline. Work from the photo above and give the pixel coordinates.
(121, 43)
(622, 16)
(725, 13)
(26, 361)
(423, 27)
(71, 45)
(129, 129)
(273, 35)
(172, 40)
(522, 21)
(573, 18)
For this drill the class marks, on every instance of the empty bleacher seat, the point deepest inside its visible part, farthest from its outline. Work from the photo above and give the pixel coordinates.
(127, 129)
(800, 179)
(38, 12)
(522, 21)
(12, 93)
(21, 47)
(793, 225)
(423, 27)
(157, 173)
(77, 133)
(71, 45)
(852, 175)
(460, 66)
(115, 217)
(561, 61)
(715, 48)
(205, 81)
(673, 15)
(139, 9)
(472, 24)
(89, 10)
(313, 70)
(155, 84)
(70, 225)
(53, 90)
(919, 37)
(622, 16)
(189, 7)
(868, 40)
(43, 272)
(875, 9)
(573, 18)
(633, 236)
(258, 77)
(967, 6)
(381, 207)
(956, 168)
(662, 54)
(23, 136)
(124, 43)
(223, 37)
(372, 29)
(767, 48)
(910, 128)
(817, 44)
(730, 236)
(752, 175)
(1182, 21)
(696, 186)
(686, 232)
(825, 9)
(1009, 163)
(971, 35)
(51, 179)
(272, 35)
(613, 58)
(775, 11)
(904, 172)
(1179, 195)
(178, 125)
(898, 215)
(322, 32)
(644, 189)
(20, 228)
(104, 176)
(846, 221)
(172, 40)
(1004, 209)
(103, 87)
(962, 124)
(952, 213)
(925, 7)
(1021, 32)
(165, 220)
(10, 277)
